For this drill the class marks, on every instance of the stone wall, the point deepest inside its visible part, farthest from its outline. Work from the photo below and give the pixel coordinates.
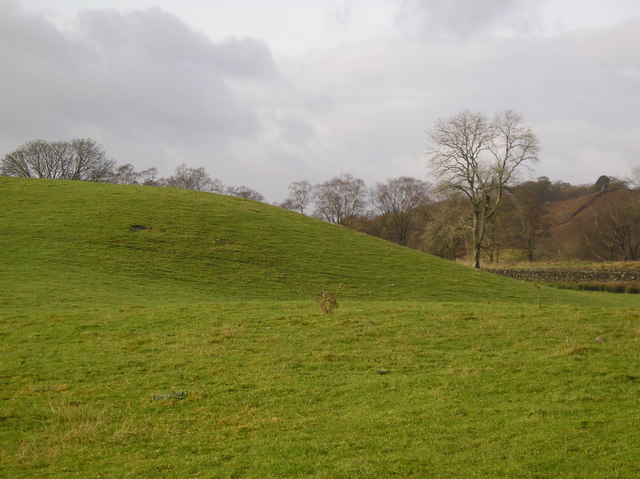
(567, 275)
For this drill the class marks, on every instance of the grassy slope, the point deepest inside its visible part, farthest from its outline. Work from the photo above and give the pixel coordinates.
(194, 349)
(67, 242)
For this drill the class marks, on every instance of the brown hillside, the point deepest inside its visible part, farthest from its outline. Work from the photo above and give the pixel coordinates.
(583, 227)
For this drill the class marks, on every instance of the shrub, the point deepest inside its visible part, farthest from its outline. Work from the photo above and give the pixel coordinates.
(328, 301)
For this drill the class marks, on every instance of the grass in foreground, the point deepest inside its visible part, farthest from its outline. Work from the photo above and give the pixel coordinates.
(275, 389)
(193, 349)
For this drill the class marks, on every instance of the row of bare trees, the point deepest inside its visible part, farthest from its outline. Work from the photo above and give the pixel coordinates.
(185, 177)
(478, 207)
(416, 214)
(475, 160)
(84, 159)
(397, 204)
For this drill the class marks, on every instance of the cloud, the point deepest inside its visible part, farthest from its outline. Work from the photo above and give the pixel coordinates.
(339, 16)
(464, 19)
(138, 77)
(578, 91)
(155, 92)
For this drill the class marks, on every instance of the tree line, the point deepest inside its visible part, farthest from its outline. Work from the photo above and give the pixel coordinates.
(423, 216)
(85, 160)
(478, 207)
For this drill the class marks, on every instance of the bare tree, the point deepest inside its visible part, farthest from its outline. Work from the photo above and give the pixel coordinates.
(480, 158)
(340, 199)
(149, 177)
(244, 192)
(400, 201)
(530, 221)
(88, 161)
(78, 159)
(614, 232)
(193, 179)
(300, 196)
(127, 175)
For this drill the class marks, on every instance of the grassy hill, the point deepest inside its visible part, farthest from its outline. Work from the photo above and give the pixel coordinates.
(152, 332)
(72, 243)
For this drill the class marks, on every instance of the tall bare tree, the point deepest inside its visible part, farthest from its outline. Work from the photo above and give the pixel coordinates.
(300, 196)
(340, 199)
(400, 201)
(78, 159)
(479, 159)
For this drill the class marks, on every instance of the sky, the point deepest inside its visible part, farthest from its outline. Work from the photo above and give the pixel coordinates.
(265, 93)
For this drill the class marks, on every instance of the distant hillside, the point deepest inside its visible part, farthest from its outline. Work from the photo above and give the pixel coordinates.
(594, 226)
(66, 243)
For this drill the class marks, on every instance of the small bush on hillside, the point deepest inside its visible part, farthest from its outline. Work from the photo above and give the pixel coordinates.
(328, 301)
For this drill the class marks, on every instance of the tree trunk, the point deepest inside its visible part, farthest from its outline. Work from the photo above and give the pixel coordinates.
(477, 239)
(476, 256)
(530, 255)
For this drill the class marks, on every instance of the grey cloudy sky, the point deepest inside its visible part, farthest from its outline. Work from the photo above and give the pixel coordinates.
(263, 93)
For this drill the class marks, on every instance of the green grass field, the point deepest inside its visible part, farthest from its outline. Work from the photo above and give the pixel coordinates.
(153, 332)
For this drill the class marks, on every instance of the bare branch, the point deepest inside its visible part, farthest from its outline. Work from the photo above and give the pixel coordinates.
(340, 199)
